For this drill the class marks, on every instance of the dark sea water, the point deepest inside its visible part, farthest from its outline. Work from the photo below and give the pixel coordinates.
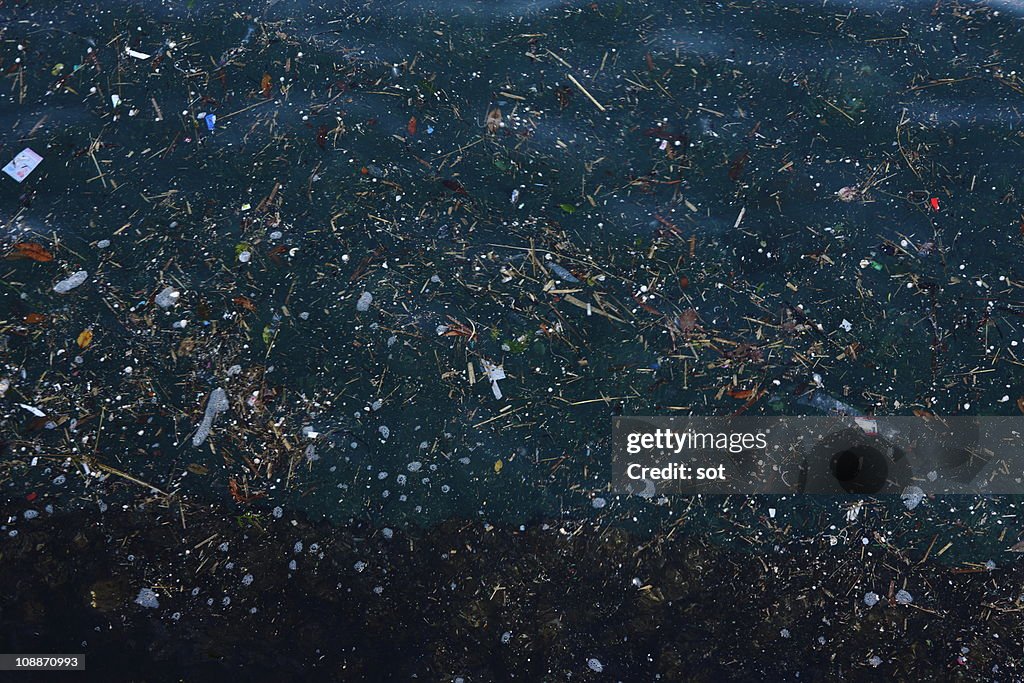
(351, 153)
(633, 208)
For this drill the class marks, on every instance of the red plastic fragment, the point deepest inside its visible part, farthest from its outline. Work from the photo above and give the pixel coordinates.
(934, 201)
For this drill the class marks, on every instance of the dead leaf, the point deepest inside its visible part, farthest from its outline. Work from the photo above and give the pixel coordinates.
(1020, 404)
(742, 394)
(31, 250)
(85, 338)
(411, 128)
(1017, 547)
(196, 468)
(266, 85)
(236, 492)
(688, 321)
(245, 303)
(498, 464)
(33, 318)
(186, 347)
(493, 120)
(738, 163)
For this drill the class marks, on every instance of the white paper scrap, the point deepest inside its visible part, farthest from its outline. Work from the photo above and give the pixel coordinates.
(22, 164)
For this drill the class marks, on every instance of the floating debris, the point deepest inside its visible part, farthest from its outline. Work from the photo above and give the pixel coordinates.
(216, 403)
(71, 282)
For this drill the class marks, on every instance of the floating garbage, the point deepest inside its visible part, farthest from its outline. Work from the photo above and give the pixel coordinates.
(365, 299)
(23, 163)
(562, 273)
(147, 598)
(215, 404)
(912, 496)
(74, 280)
(167, 297)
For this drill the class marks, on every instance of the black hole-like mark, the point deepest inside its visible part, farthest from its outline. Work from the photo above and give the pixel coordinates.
(860, 469)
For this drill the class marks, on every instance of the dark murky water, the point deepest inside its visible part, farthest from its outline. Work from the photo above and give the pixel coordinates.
(632, 207)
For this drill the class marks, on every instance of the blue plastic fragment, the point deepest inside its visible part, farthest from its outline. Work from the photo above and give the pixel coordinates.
(211, 121)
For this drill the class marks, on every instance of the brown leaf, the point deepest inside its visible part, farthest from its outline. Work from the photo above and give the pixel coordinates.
(742, 394)
(493, 120)
(32, 318)
(688, 320)
(411, 128)
(31, 250)
(1017, 547)
(245, 303)
(266, 85)
(85, 338)
(236, 492)
(1020, 404)
(739, 162)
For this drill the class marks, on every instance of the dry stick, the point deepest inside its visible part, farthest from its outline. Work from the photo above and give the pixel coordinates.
(251, 106)
(585, 92)
(125, 475)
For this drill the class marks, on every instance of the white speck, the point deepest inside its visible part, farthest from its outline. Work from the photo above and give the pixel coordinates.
(595, 664)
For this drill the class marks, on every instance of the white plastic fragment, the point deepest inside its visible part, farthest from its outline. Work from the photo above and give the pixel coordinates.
(494, 373)
(32, 409)
(871, 598)
(912, 497)
(167, 297)
(904, 598)
(137, 54)
(71, 282)
(364, 302)
(563, 274)
(595, 664)
(147, 598)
